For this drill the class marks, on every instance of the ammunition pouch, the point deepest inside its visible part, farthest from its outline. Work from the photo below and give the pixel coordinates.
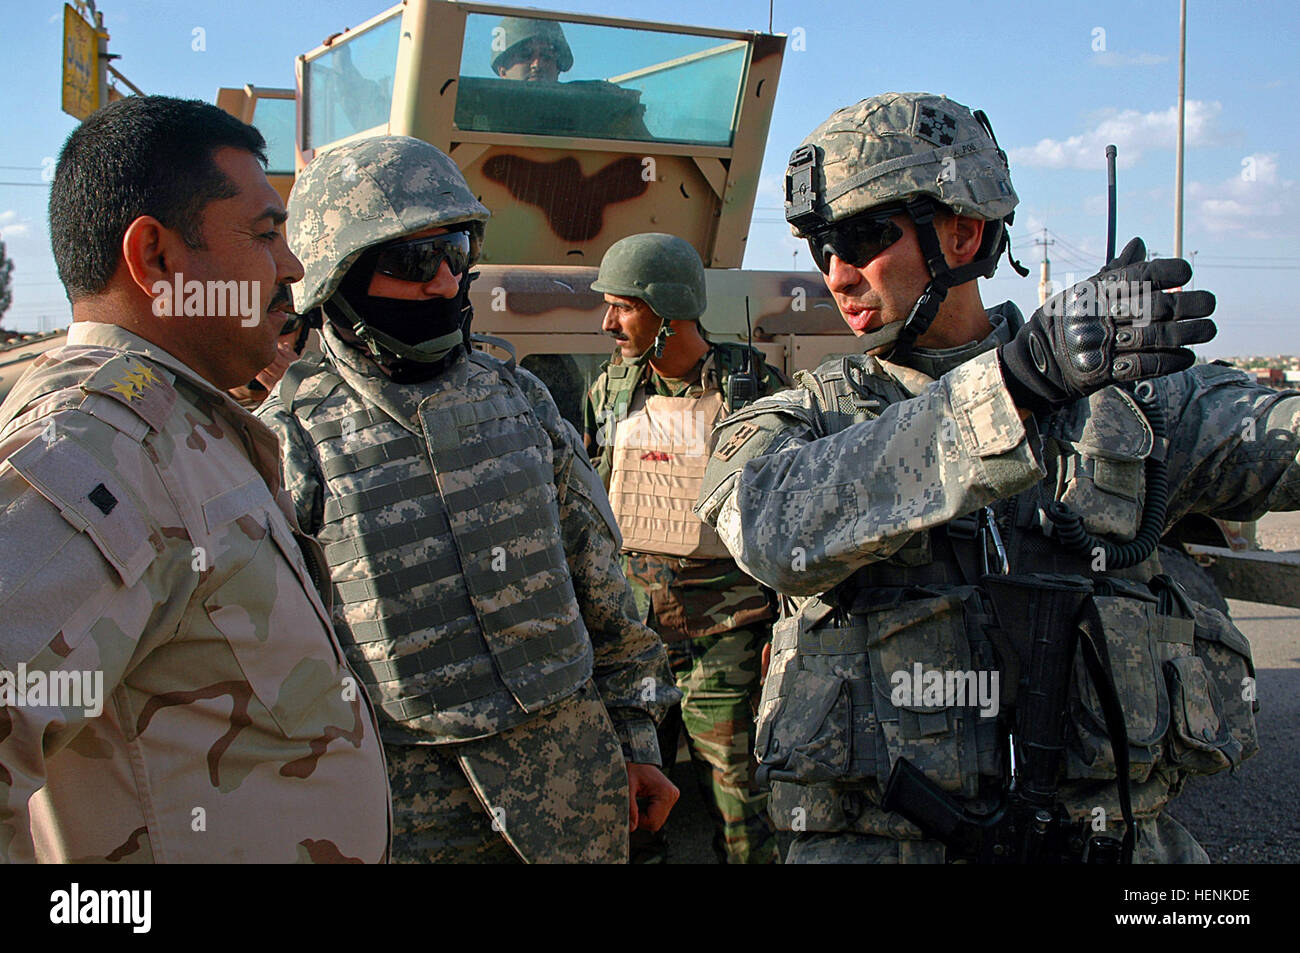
(1185, 681)
(832, 725)
(839, 704)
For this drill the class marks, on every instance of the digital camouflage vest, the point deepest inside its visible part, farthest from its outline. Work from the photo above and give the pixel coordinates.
(441, 531)
(832, 721)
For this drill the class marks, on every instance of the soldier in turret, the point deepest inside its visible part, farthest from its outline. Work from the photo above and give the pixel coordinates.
(468, 539)
(647, 423)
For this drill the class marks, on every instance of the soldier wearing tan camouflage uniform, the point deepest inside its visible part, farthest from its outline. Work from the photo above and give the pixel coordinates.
(881, 494)
(649, 415)
(470, 544)
(147, 546)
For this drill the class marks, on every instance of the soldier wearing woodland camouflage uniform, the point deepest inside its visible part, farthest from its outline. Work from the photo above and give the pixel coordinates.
(147, 550)
(469, 541)
(649, 415)
(881, 493)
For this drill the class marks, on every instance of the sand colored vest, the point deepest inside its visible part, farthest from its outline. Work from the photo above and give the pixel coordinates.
(660, 452)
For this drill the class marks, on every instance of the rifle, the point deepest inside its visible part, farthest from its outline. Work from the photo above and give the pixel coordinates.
(1041, 618)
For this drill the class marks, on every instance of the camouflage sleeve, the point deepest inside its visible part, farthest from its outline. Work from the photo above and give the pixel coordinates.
(1233, 444)
(298, 466)
(595, 428)
(78, 594)
(800, 511)
(631, 665)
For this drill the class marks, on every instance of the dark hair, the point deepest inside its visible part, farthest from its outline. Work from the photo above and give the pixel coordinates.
(143, 155)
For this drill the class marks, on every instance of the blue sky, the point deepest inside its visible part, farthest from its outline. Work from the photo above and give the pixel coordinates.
(1058, 81)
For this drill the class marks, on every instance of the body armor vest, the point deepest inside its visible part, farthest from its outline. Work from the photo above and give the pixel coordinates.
(660, 452)
(661, 447)
(830, 725)
(442, 536)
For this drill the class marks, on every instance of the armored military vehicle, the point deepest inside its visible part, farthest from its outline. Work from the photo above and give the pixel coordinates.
(630, 127)
(577, 131)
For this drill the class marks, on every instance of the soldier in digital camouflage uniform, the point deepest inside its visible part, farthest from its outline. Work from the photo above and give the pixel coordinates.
(146, 543)
(647, 422)
(469, 541)
(875, 493)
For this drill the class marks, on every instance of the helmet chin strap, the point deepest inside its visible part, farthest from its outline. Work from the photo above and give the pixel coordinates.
(656, 348)
(942, 279)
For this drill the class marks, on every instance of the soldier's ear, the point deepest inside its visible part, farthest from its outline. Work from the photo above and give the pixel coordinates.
(151, 252)
(961, 238)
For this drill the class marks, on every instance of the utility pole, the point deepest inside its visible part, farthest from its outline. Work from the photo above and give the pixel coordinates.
(1045, 279)
(1182, 101)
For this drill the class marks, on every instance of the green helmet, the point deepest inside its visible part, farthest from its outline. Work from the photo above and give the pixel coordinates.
(892, 148)
(664, 271)
(366, 193)
(515, 30)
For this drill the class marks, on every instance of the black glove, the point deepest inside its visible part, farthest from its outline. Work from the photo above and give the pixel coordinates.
(1119, 325)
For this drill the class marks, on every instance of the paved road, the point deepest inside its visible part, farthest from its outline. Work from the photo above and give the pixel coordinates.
(1249, 816)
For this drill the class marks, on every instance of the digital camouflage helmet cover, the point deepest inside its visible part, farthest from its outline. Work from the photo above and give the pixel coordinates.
(912, 153)
(362, 195)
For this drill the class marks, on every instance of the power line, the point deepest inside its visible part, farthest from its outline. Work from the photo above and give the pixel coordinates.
(1252, 257)
(1200, 265)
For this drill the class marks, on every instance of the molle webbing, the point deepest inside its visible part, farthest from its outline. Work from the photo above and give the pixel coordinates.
(659, 457)
(456, 600)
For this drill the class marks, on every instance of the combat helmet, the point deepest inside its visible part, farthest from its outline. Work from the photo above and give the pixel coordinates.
(362, 195)
(662, 270)
(910, 153)
(366, 193)
(512, 31)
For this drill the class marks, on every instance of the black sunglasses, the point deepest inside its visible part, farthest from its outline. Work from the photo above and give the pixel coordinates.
(856, 240)
(420, 258)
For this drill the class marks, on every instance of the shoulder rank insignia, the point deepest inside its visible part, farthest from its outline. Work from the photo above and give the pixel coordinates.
(137, 384)
(737, 440)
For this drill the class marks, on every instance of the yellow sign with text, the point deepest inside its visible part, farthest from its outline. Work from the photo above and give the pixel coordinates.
(80, 65)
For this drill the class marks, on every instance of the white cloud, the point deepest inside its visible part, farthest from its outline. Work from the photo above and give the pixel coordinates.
(1131, 131)
(1254, 203)
(1128, 59)
(11, 227)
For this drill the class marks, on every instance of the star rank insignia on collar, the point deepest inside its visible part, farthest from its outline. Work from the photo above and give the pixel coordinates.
(133, 382)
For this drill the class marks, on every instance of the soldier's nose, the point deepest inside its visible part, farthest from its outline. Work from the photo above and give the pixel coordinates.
(841, 275)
